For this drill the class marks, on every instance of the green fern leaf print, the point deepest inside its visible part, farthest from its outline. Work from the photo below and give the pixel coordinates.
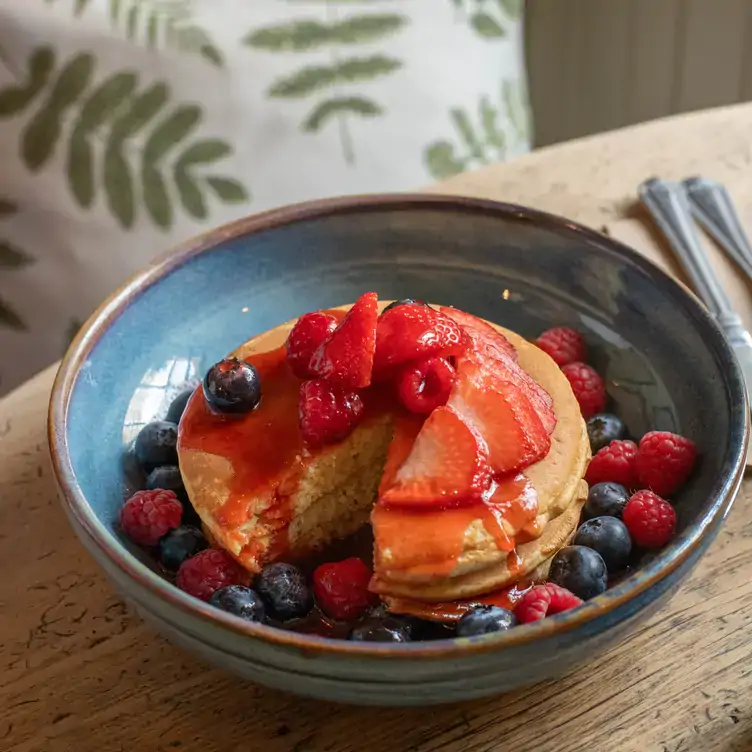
(15, 98)
(515, 101)
(300, 36)
(482, 139)
(11, 258)
(330, 108)
(513, 8)
(157, 22)
(486, 26)
(332, 80)
(488, 21)
(161, 170)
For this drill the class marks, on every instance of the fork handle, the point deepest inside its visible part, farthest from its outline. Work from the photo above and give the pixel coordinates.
(668, 204)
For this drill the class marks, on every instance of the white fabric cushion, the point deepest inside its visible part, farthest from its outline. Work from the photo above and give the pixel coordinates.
(127, 126)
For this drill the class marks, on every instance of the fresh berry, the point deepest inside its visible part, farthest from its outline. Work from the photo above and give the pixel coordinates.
(501, 412)
(156, 444)
(484, 620)
(177, 406)
(603, 428)
(240, 601)
(588, 388)
(327, 413)
(481, 332)
(664, 461)
(341, 589)
(380, 630)
(148, 515)
(448, 464)
(580, 570)
(180, 544)
(410, 333)
(544, 600)
(169, 478)
(345, 357)
(305, 338)
(208, 571)
(610, 538)
(232, 386)
(284, 591)
(563, 344)
(606, 500)
(650, 520)
(404, 301)
(614, 463)
(425, 385)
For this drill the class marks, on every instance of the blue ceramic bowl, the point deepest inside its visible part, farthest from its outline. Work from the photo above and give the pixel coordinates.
(666, 362)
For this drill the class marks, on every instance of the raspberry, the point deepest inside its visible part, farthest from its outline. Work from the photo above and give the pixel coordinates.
(425, 385)
(544, 600)
(327, 413)
(148, 515)
(614, 463)
(664, 461)
(304, 339)
(563, 344)
(650, 519)
(588, 388)
(341, 589)
(208, 571)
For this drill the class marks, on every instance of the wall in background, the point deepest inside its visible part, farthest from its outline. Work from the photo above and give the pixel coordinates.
(595, 65)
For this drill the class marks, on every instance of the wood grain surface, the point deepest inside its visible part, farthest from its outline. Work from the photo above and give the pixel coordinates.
(80, 673)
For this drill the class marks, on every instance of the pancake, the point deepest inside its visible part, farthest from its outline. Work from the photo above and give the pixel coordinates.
(262, 495)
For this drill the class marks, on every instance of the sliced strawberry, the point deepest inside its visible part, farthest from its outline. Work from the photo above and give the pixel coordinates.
(448, 465)
(406, 429)
(345, 357)
(491, 349)
(410, 332)
(501, 412)
(480, 331)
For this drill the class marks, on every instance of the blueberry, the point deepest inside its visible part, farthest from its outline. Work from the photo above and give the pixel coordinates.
(156, 444)
(169, 478)
(177, 406)
(610, 538)
(180, 544)
(603, 428)
(484, 620)
(387, 629)
(404, 301)
(232, 386)
(284, 591)
(606, 500)
(580, 570)
(240, 601)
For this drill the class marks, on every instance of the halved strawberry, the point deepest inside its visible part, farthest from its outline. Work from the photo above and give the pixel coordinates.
(407, 426)
(409, 332)
(480, 331)
(448, 465)
(493, 351)
(501, 412)
(345, 357)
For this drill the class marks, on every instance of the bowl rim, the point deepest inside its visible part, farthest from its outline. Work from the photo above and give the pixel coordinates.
(680, 551)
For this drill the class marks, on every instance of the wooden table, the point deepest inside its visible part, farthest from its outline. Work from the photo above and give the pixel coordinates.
(81, 673)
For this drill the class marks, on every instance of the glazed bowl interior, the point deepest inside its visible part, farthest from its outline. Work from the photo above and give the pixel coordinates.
(666, 364)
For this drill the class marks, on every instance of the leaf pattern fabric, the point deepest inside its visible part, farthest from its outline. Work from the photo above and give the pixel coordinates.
(127, 126)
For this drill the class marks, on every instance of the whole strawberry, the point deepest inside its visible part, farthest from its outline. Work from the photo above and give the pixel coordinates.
(664, 461)
(614, 463)
(149, 515)
(588, 388)
(563, 344)
(208, 571)
(650, 519)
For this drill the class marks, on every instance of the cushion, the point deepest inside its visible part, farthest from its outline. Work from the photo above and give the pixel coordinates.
(127, 126)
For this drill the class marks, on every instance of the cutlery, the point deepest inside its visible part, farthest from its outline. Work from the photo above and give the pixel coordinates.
(669, 205)
(713, 208)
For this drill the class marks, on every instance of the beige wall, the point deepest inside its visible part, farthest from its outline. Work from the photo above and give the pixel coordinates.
(601, 64)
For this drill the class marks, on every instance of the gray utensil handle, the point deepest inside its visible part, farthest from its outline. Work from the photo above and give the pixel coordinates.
(668, 204)
(713, 208)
